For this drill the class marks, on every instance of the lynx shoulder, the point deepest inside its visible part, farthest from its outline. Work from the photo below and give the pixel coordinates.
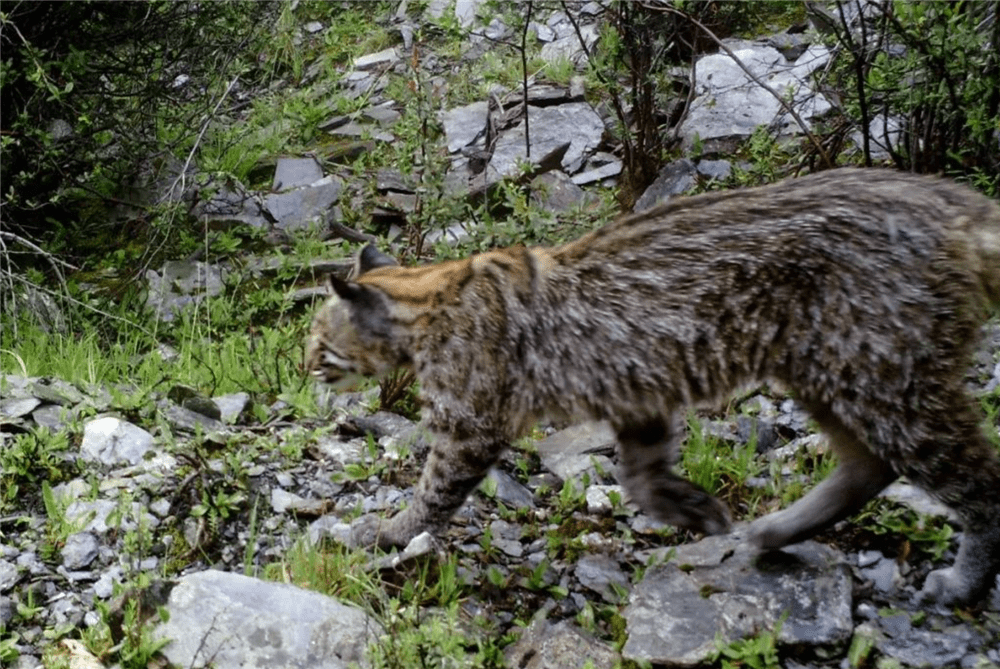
(862, 291)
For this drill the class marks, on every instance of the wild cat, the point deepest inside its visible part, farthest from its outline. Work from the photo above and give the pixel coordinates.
(861, 291)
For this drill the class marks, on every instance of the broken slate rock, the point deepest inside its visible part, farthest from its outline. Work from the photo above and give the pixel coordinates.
(568, 453)
(112, 441)
(721, 587)
(296, 172)
(674, 179)
(603, 575)
(555, 191)
(231, 406)
(297, 209)
(547, 646)
(79, 551)
(548, 130)
(231, 621)
(464, 125)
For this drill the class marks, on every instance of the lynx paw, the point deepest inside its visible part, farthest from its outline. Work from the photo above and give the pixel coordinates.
(947, 587)
(371, 530)
(698, 513)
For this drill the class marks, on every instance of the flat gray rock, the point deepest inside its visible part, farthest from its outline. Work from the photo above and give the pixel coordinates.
(568, 453)
(79, 551)
(729, 103)
(721, 587)
(550, 128)
(9, 575)
(463, 125)
(297, 209)
(112, 441)
(16, 407)
(296, 172)
(560, 646)
(229, 621)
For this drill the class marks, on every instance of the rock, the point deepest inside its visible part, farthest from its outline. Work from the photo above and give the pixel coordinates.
(283, 501)
(373, 60)
(452, 235)
(556, 192)
(729, 104)
(674, 179)
(184, 419)
(600, 573)
(597, 174)
(568, 453)
(726, 589)
(299, 208)
(464, 125)
(292, 173)
(232, 204)
(15, 407)
(94, 516)
(510, 492)
(791, 45)
(599, 499)
(883, 572)
(465, 11)
(547, 133)
(916, 647)
(182, 283)
(715, 169)
(232, 621)
(52, 416)
(79, 551)
(56, 391)
(569, 47)
(9, 576)
(231, 406)
(917, 499)
(112, 441)
(204, 406)
(560, 646)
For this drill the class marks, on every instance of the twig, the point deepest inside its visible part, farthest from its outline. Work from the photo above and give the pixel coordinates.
(182, 177)
(524, 79)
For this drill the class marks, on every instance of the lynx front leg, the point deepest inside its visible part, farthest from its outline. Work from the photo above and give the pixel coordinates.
(453, 470)
(647, 451)
(859, 476)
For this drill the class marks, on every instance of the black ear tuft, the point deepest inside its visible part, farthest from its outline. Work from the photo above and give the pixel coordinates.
(345, 290)
(371, 258)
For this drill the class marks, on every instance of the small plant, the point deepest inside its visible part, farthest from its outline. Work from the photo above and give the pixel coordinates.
(571, 498)
(8, 643)
(931, 535)
(371, 466)
(57, 526)
(756, 652)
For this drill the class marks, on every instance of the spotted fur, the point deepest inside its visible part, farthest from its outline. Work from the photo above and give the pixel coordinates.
(862, 291)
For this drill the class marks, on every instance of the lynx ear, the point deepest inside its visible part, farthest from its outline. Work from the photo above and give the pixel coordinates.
(344, 289)
(371, 258)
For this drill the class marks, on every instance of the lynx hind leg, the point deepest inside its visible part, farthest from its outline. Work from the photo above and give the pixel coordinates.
(958, 465)
(859, 476)
(647, 451)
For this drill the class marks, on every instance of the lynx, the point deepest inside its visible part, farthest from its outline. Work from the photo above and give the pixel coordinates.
(862, 291)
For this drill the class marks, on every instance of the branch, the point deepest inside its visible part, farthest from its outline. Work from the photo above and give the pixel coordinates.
(788, 107)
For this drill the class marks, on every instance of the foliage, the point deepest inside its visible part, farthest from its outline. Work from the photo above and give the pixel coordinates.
(756, 652)
(32, 460)
(908, 65)
(924, 532)
(79, 125)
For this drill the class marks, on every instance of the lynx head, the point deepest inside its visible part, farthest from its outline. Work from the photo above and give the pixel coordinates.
(351, 334)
